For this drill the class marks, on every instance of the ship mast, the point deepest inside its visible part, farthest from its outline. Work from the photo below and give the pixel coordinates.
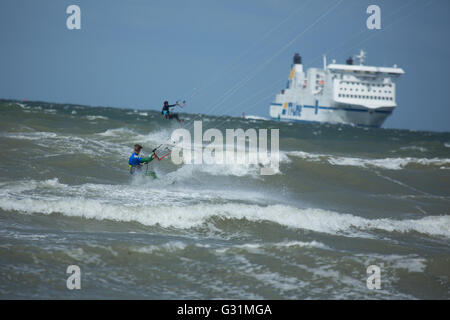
(361, 57)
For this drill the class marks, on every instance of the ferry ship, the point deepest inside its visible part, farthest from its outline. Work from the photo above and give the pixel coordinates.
(339, 93)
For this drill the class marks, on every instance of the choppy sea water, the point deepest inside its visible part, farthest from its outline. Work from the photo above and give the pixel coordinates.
(344, 198)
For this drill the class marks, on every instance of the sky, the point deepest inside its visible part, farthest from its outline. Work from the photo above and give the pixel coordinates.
(222, 56)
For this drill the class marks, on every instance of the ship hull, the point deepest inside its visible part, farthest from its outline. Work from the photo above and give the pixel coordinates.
(346, 114)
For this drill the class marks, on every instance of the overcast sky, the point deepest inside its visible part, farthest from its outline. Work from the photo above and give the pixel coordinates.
(136, 54)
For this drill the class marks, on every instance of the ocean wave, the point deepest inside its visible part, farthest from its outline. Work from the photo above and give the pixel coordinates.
(29, 135)
(117, 132)
(69, 144)
(384, 163)
(260, 247)
(414, 148)
(255, 118)
(91, 118)
(141, 190)
(192, 216)
(171, 246)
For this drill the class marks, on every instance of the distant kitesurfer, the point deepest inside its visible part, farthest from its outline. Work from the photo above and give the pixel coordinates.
(135, 162)
(166, 111)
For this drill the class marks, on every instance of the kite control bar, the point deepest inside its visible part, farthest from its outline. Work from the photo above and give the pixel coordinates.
(183, 104)
(154, 153)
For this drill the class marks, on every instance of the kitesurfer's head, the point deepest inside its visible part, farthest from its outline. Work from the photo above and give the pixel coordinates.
(137, 148)
(166, 103)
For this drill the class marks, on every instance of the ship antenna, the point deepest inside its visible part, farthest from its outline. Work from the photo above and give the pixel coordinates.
(361, 57)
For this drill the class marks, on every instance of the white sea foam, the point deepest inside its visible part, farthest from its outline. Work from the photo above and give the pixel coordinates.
(117, 132)
(68, 144)
(30, 135)
(255, 118)
(414, 148)
(259, 247)
(23, 106)
(385, 163)
(301, 244)
(189, 216)
(96, 118)
(53, 183)
(171, 246)
(411, 262)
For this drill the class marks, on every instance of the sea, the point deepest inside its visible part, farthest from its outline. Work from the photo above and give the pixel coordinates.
(352, 213)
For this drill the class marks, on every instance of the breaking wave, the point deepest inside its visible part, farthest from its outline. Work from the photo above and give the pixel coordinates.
(384, 163)
(198, 215)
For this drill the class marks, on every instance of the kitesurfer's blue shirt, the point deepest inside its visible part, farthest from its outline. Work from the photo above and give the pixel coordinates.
(134, 160)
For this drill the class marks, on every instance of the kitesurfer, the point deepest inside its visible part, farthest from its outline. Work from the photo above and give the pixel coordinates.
(135, 162)
(166, 111)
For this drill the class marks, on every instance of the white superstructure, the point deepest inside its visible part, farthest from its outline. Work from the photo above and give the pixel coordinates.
(338, 93)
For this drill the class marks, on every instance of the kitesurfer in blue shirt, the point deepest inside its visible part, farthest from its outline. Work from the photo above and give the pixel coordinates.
(135, 162)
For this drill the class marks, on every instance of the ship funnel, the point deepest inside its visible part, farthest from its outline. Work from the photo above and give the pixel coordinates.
(350, 61)
(297, 59)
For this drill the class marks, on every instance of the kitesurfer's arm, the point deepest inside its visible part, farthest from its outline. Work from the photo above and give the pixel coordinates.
(147, 159)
